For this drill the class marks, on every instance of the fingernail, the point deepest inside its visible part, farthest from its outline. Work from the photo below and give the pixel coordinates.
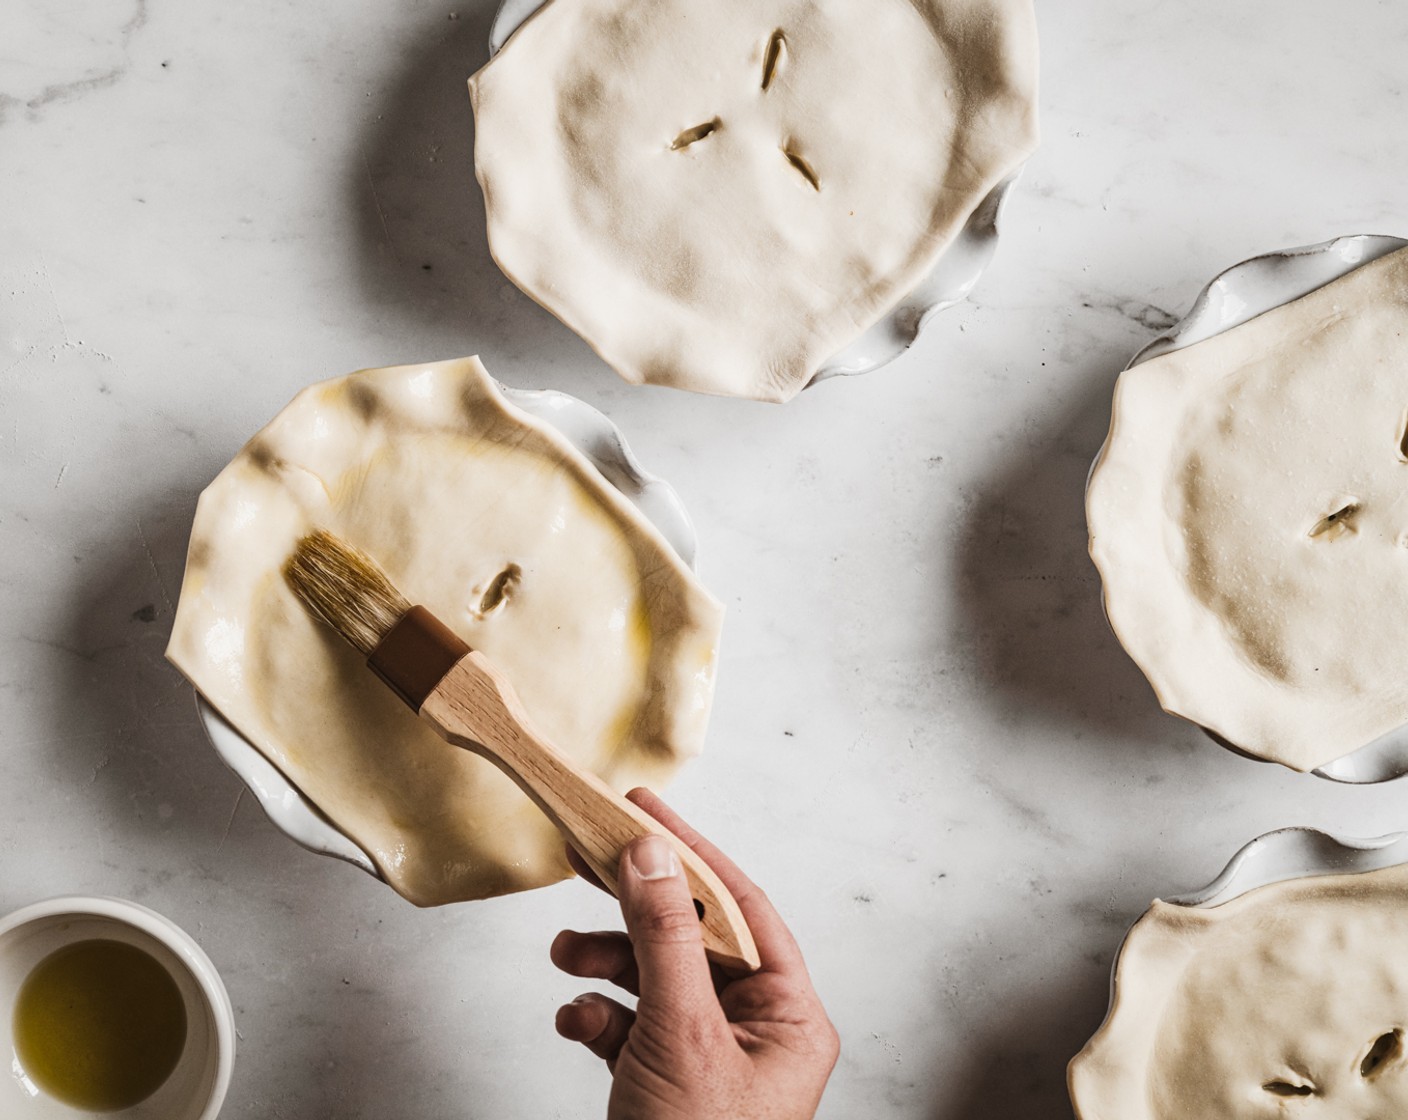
(653, 857)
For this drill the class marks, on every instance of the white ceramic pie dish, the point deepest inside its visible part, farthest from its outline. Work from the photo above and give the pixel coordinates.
(1296, 853)
(1240, 294)
(948, 283)
(605, 447)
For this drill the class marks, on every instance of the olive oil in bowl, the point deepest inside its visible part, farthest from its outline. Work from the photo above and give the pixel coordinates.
(99, 1025)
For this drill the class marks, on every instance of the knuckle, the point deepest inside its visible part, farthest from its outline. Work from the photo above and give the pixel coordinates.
(669, 923)
(756, 894)
(689, 835)
(748, 892)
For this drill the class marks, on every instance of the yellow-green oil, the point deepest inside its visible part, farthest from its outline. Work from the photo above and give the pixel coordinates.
(99, 1025)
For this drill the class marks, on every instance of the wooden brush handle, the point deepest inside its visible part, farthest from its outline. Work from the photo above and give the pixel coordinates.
(475, 707)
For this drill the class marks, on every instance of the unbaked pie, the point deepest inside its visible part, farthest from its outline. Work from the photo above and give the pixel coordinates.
(506, 532)
(1289, 1001)
(720, 195)
(1249, 517)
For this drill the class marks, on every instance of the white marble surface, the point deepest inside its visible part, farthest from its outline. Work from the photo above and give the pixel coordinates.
(926, 744)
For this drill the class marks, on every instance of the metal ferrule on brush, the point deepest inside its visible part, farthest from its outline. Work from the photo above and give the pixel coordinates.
(415, 655)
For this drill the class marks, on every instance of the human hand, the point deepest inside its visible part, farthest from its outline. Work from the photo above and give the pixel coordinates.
(700, 1045)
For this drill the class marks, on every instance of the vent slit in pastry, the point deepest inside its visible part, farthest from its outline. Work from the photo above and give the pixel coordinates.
(802, 166)
(694, 135)
(1286, 1089)
(772, 57)
(1403, 437)
(1336, 524)
(1387, 1048)
(499, 591)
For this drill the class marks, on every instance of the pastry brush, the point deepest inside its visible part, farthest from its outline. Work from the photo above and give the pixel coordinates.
(471, 704)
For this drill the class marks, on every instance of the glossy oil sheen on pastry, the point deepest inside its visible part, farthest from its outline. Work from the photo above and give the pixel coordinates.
(500, 527)
(720, 195)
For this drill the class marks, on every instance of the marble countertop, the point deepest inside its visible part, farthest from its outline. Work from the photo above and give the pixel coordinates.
(926, 743)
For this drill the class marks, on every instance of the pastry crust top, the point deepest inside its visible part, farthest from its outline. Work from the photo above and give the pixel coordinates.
(513, 539)
(720, 195)
(1249, 517)
(1291, 1000)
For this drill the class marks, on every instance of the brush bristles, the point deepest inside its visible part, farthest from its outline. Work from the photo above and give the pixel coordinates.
(345, 588)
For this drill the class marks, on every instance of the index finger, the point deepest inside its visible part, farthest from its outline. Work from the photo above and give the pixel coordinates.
(777, 948)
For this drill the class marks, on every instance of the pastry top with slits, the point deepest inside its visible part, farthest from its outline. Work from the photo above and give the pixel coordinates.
(1290, 1001)
(721, 195)
(1249, 517)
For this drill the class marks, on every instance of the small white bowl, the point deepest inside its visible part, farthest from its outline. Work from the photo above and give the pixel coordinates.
(952, 278)
(196, 1088)
(602, 443)
(1234, 297)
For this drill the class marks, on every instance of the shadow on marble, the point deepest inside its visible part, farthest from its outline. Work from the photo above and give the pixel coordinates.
(422, 255)
(1028, 593)
(1018, 1071)
(129, 726)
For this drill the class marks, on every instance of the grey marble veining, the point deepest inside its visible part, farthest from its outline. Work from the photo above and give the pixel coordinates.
(926, 743)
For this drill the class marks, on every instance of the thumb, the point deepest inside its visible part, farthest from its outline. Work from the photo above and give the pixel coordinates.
(675, 982)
